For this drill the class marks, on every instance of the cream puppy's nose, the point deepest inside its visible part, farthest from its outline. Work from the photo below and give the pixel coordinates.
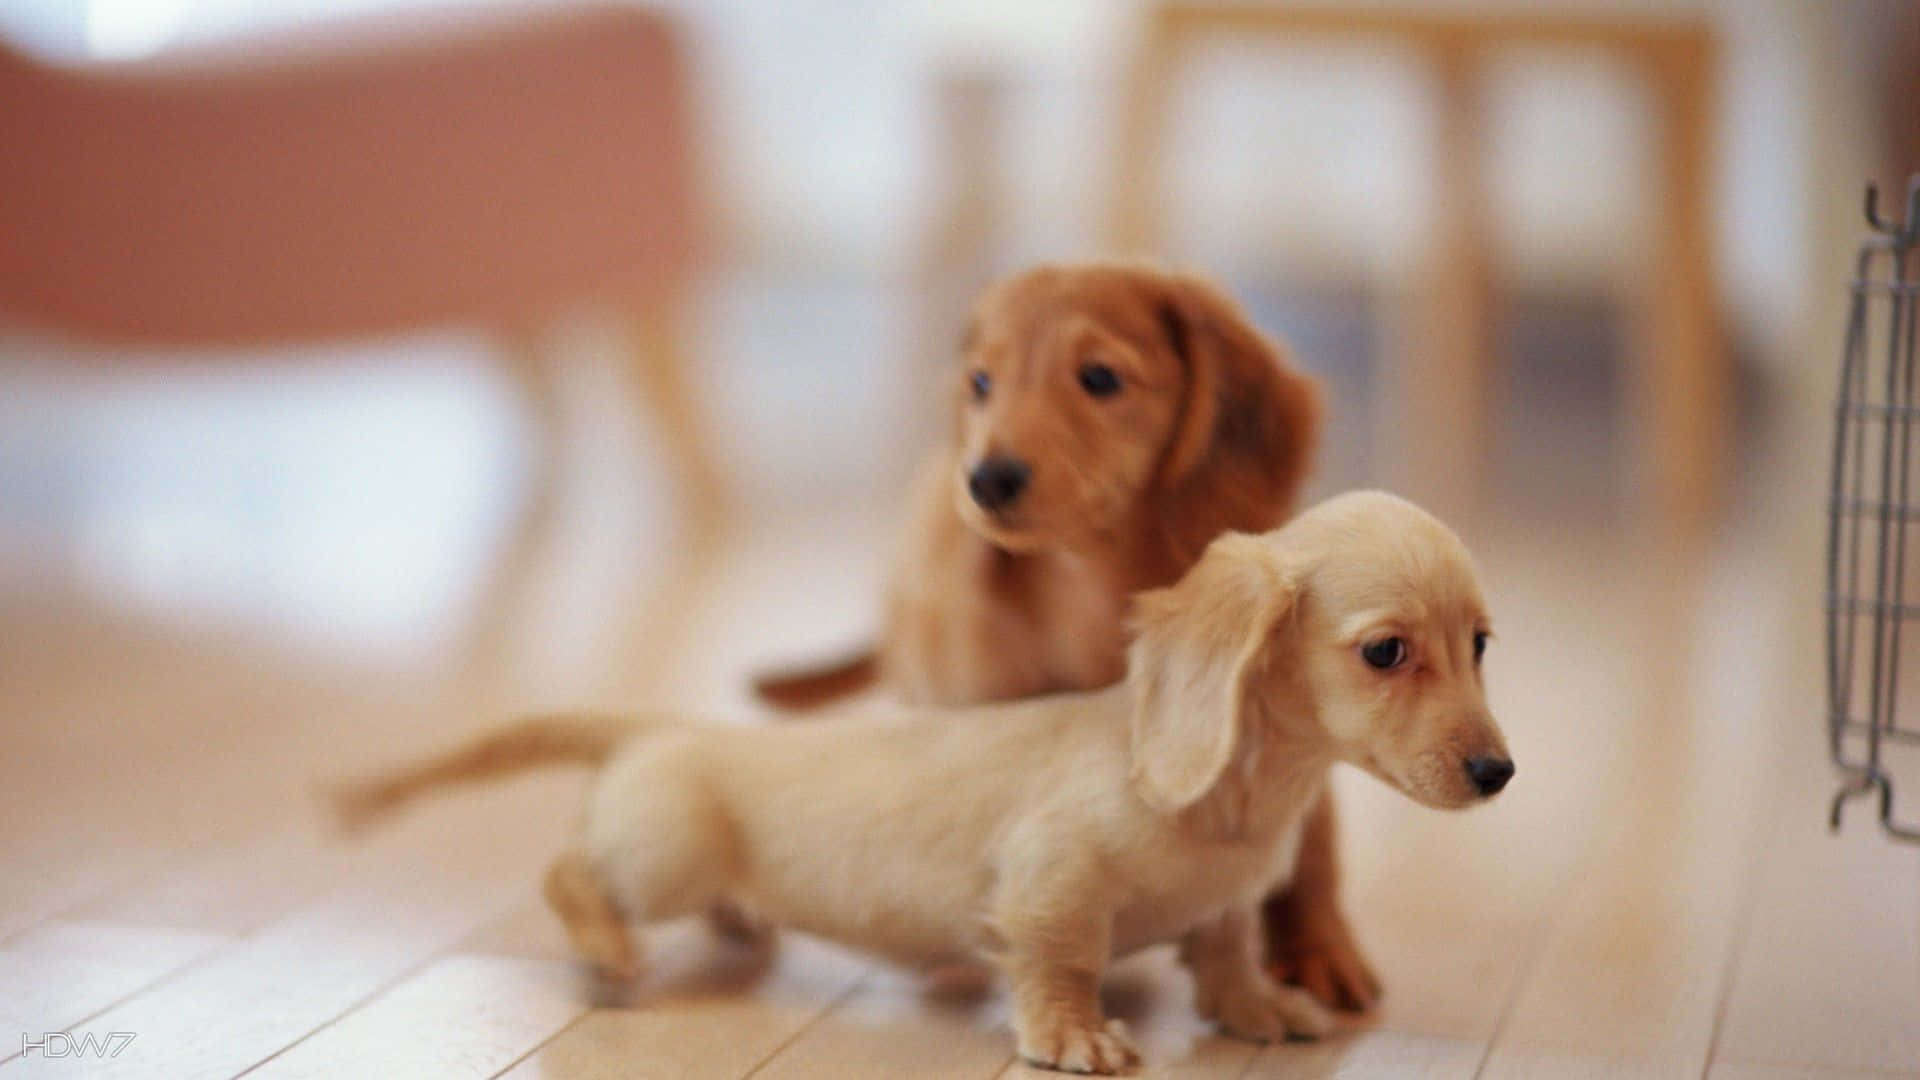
(1489, 774)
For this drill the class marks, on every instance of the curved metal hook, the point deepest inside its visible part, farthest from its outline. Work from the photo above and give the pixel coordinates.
(1840, 798)
(1873, 212)
(1866, 783)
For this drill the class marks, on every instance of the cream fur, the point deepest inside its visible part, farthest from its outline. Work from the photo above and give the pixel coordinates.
(1052, 834)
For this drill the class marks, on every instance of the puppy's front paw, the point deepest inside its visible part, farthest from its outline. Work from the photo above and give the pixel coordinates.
(1267, 1013)
(1079, 1047)
(1327, 965)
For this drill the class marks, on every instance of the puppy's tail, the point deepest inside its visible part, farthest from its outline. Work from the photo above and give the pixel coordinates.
(814, 687)
(557, 739)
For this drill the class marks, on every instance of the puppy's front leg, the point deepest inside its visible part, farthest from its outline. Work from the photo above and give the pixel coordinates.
(1232, 991)
(1056, 949)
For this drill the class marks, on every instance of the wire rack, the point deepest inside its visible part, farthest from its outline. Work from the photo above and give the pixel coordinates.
(1869, 513)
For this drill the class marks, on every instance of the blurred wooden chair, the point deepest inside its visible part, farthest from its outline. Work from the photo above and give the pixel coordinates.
(1434, 401)
(372, 176)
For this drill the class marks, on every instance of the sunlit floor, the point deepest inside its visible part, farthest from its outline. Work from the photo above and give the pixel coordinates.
(1656, 894)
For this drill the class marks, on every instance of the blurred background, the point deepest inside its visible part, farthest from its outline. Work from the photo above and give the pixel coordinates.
(371, 366)
(860, 170)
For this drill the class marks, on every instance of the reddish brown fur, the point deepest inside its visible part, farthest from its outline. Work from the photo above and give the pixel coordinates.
(1213, 430)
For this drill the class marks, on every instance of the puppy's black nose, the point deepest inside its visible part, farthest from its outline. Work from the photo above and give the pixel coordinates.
(996, 482)
(1489, 774)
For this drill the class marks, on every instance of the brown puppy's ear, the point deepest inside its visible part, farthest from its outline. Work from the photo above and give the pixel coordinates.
(1248, 426)
(1196, 644)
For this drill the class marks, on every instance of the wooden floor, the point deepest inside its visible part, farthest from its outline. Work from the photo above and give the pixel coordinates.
(1655, 895)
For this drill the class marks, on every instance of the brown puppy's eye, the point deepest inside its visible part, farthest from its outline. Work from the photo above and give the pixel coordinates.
(981, 383)
(1479, 645)
(1099, 380)
(1385, 654)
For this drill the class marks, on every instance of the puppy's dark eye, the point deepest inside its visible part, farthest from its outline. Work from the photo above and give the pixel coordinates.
(1479, 645)
(1099, 380)
(981, 383)
(1385, 654)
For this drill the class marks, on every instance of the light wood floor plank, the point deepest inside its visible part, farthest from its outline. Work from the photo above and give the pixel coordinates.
(1628, 980)
(531, 931)
(461, 1016)
(234, 888)
(95, 805)
(62, 972)
(434, 881)
(886, 1029)
(1829, 971)
(705, 1009)
(41, 885)
(1801, 1072)
(1371, 1055)
(211, 898)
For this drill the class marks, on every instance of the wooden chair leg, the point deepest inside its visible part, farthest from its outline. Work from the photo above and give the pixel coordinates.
(1433, 398)
(1681, 374)
(506, 598)
(956, 259)
(1134, 209)
(663, 389)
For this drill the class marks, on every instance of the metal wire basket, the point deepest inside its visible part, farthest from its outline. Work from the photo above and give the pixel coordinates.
(1869, 513)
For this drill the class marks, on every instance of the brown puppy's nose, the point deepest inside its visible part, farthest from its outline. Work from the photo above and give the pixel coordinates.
(996, 482)
(1489, 774)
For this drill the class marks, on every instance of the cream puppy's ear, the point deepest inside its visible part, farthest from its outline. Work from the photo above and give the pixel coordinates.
(1195, 646)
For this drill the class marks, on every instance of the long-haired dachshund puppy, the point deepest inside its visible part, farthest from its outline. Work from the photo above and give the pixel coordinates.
(1051, 835)
(1112, 419)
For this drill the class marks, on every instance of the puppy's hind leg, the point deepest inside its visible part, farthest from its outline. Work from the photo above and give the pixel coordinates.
(577, 893)
(655, 845)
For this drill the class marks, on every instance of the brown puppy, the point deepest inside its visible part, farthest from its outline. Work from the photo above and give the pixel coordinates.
(1112, 420)
(1050, 835)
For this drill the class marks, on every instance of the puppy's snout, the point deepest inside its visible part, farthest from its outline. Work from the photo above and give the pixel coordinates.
(997, 482)
(1489, 774)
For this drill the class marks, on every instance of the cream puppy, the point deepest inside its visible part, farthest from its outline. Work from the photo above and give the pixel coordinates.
(1053, 834)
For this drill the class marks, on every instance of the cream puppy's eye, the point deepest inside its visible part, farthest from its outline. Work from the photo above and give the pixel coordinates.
(1479, 645)
(981, 383)
(1385, 654)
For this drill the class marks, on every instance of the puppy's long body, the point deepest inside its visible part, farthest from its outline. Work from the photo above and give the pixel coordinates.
(880, 858)
(1051, 834)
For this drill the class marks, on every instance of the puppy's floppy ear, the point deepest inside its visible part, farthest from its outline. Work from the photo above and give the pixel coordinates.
(1249, 421)
(1196, 645)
